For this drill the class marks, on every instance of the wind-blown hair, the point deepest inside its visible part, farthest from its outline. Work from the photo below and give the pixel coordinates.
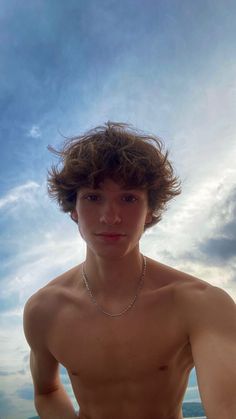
(118, 152)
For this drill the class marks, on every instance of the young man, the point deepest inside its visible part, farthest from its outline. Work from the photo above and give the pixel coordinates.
(127, 328)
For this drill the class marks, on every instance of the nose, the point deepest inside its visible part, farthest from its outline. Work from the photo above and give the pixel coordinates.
(110, 214)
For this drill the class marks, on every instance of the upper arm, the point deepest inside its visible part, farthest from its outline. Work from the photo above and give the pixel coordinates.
(44, 367)
(212, 334)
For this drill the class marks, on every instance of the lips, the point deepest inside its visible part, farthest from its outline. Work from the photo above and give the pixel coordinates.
(105, 234)
(110, 237)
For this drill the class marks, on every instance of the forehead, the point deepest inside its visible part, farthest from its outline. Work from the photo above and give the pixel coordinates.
(112, 186)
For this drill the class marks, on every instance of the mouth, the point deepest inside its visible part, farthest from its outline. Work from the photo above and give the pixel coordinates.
(110, 237)
(110, 234)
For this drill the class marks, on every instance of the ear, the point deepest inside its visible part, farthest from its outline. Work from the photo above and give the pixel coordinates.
(148, 219)
(74, 215)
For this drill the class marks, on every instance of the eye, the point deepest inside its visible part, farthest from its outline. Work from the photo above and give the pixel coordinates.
(92, 197)
(129, 198)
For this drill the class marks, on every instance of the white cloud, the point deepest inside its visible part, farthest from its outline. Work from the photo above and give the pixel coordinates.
(190, 221)
(187, 220)
(39, 263)
(34, 132)
(19, 193)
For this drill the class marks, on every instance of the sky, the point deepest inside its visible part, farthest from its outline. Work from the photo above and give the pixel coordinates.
(166, 67)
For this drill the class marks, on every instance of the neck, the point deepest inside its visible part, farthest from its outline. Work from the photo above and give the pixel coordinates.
(113, 277)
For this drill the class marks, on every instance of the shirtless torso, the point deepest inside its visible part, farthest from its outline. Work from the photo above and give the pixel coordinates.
(133, 366)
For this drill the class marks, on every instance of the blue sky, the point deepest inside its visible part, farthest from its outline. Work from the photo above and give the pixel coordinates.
(168, 68)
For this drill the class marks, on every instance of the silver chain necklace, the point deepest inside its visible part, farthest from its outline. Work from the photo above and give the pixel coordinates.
(140, 284)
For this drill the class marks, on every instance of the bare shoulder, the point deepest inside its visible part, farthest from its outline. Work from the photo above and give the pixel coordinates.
(180, 282)
(195, 298)
(196, 293)
(43, 306)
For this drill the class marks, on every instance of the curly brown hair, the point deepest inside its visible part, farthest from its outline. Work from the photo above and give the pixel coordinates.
(118, 152)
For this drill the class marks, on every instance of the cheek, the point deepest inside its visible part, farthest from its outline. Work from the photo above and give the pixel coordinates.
(86, 221)
(137, 217)
(82, 230)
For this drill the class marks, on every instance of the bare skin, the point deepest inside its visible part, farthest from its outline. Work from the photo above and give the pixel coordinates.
(135, 365)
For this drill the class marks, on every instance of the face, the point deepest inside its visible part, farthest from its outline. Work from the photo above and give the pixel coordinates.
(111, 219)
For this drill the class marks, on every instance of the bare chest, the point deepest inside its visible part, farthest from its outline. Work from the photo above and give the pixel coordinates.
(146, 342)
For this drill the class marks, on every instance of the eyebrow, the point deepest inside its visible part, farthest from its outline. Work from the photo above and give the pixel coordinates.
(87, 188)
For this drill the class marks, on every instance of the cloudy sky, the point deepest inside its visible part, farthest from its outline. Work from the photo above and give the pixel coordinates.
(166, 67)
